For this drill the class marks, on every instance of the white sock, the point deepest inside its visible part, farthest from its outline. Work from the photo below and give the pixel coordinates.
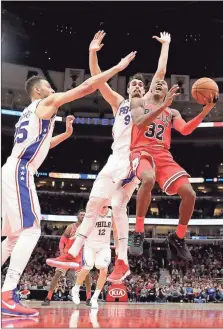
(76, 288)
(96, 294)
(93, 209)
(119, 210)
(7, 247)
(20, 256)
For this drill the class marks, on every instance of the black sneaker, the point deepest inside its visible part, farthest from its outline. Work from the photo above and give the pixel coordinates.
(180, 246)
(136, 247)
(171, 253)
(46, 302)
(88, 302)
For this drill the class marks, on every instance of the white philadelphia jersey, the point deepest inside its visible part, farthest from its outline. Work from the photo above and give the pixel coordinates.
(32, 137)
(101, 234)
(122, 128)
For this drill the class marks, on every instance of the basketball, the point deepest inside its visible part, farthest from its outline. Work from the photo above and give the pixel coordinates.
(202, 89)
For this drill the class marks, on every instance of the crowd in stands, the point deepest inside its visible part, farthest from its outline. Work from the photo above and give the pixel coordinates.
(199, 281)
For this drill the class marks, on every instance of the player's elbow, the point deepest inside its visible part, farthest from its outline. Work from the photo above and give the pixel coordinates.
(185, 132)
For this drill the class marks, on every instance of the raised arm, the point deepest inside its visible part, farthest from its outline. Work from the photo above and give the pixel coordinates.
(49, 106)
(62, 137)
(143, 117)
(186, 128)
(162, 64)
(112, 97)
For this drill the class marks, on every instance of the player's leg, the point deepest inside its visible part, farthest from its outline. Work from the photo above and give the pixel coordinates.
(9, 243)
(23, 214)
(173, 179)
(58, 274)
(87, 283)
(182, 187)
(143, 166)
(89, 258)
(119, 203)
(102, 261)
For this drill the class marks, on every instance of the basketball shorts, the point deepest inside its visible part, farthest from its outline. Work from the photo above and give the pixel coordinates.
(116, 174)
(169, 174)
(20, 204)
(100, 257)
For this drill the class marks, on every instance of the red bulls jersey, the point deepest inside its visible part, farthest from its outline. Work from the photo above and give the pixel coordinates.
(158, 133)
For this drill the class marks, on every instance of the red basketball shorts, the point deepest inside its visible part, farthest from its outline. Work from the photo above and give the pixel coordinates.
(169, 174)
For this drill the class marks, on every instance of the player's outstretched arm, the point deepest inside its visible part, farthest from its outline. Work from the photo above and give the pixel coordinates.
(112, 97)
(162, 64)
(142, 117)
(48, 107)
(186, 128)
(62, 137)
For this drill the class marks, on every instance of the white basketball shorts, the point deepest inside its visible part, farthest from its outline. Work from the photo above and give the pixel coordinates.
(20, 204)
(116, 174)
(100, 257)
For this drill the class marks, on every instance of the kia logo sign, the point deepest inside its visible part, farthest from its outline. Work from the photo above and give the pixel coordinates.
(117, 292)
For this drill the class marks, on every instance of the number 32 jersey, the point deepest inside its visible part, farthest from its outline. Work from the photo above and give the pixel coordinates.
(158, 133)
(32, 138)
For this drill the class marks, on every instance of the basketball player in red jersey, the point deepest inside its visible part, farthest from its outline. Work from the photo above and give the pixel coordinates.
(151, 160)
(66, 241)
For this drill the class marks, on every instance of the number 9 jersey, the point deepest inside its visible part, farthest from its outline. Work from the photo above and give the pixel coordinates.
(32, 138)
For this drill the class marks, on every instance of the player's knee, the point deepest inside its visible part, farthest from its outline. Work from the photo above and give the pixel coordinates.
(11, 242)
(94, 205)
(103, 270)
(118, 206)
(148, 179)
(186, 191)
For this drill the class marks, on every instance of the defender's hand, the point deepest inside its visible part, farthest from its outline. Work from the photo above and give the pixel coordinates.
(164, 38)
(96, 44)
(126, 61)
(69, 124)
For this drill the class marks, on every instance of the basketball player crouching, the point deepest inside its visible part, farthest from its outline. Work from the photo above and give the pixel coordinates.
(96, 252)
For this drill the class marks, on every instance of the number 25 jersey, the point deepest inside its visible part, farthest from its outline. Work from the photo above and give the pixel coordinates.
(32, 138)
(158, 133)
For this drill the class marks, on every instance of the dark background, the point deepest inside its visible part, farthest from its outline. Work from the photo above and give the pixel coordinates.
(33, 32)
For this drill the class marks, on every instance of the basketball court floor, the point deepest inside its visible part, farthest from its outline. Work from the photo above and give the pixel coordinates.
(121, 315)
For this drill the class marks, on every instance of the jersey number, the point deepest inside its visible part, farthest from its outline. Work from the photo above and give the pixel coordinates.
(101, 232)
(21, 133)
(127, 119)
(155, 131)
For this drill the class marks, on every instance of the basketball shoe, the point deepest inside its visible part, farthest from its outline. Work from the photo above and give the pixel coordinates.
(75, 296)
(120, 272)
(136, 248)
(12, 307)
(64, 261)
(180, 246)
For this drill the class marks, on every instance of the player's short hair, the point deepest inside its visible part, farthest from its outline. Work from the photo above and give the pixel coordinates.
(137, 76)
(80, 210)
(31, 82)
